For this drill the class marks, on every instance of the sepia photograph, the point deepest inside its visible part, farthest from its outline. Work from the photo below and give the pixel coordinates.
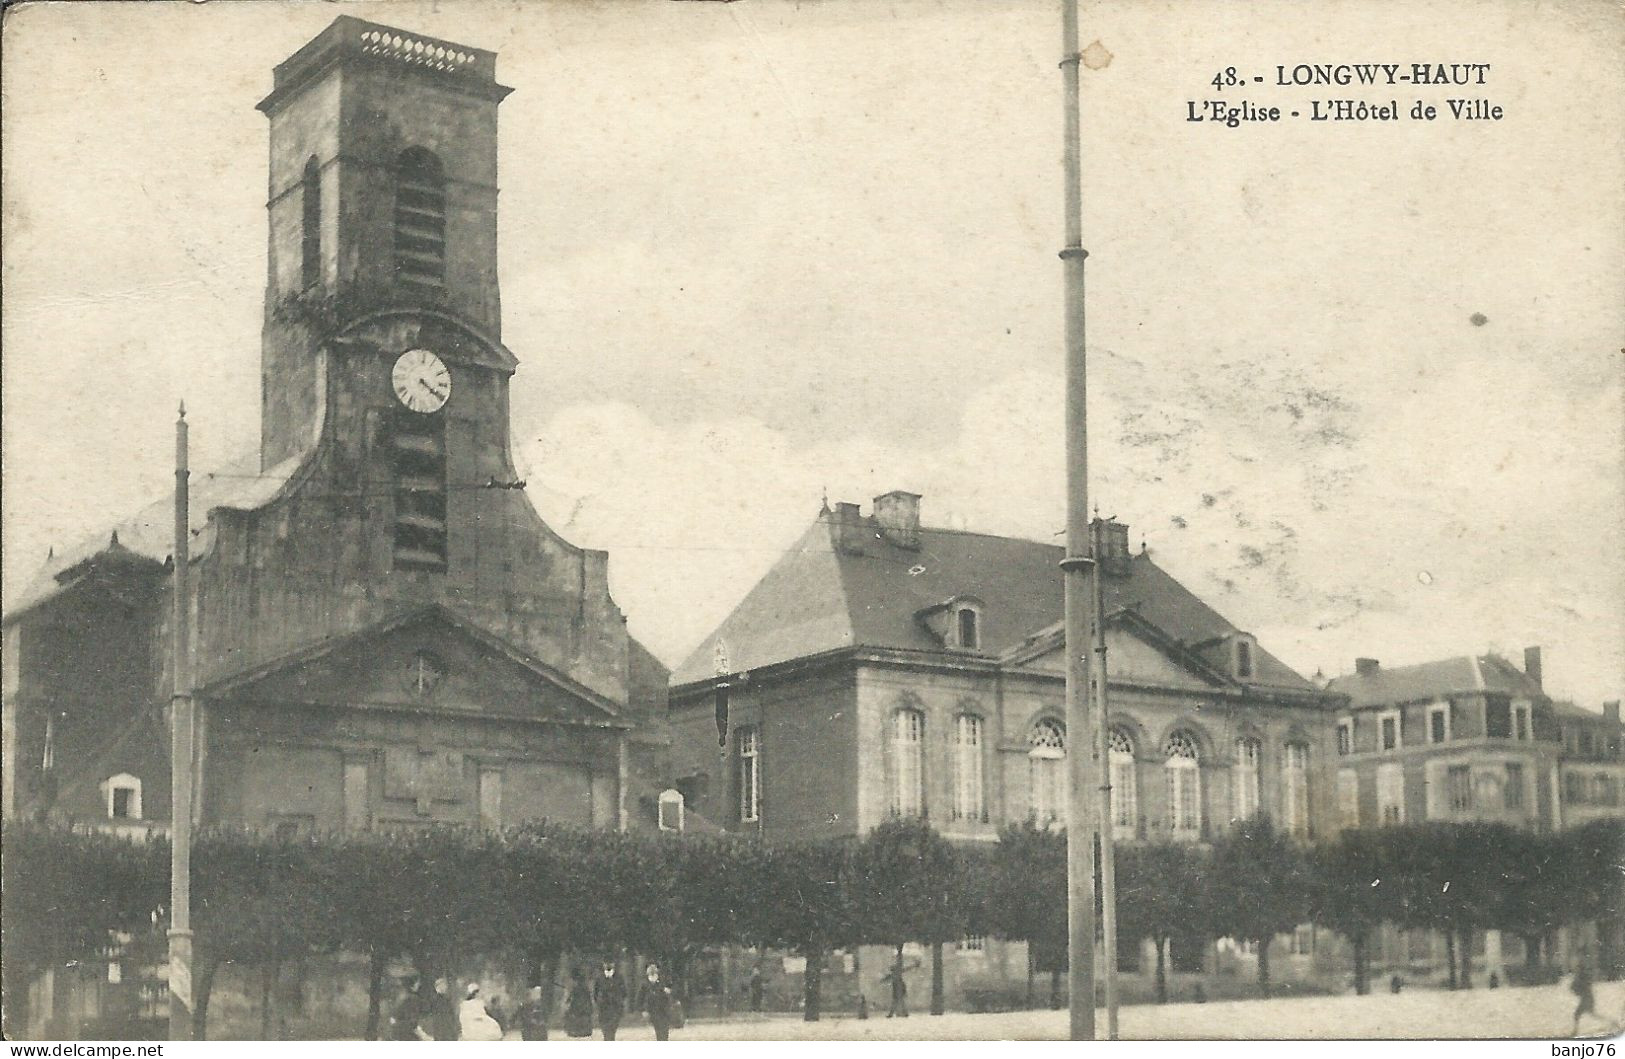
(813, 520)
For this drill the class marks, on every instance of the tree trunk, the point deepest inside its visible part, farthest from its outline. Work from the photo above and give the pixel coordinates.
(937, 1004)
(547, 969)
(1032, 970)
(268, 976)
(1264, 965)
(1162, 969)
(1466, 950)
(377, 963)
(1055, 989)
(1531, 950)
(813, 982)
(1362, 970)
(1450, 954)
(202, 986)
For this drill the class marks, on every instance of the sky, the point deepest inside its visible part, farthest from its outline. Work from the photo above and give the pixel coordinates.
(1357, 384)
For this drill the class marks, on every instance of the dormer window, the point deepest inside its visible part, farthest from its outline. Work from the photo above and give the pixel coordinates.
(123, 797)
(1244, 657)
(968, 624)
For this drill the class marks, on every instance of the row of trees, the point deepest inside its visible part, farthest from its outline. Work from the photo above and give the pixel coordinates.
(444, 897)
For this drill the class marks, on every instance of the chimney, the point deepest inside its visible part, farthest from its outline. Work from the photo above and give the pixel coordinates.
(848, 528)
(1114, 555)
(1610, 710)
(1531, 665)
(1366, 667)
(898, 514)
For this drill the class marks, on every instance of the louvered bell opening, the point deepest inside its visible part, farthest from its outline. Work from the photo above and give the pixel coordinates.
(418, 458)
(420, 223)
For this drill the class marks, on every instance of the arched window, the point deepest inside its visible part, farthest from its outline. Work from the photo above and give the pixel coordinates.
(1249, 755)
(1046, 756)
(671, 810)
(1125, 793)
(1295, 790)
(969, 801)
(969, 630)
(420, 221)
(310, 234)
(908, 763)
(1184, 784)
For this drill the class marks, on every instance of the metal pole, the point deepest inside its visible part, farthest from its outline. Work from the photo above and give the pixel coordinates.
(1078, 570)
(1108, 841)
(180, 763)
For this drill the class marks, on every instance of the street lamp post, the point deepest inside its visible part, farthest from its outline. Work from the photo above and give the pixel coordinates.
(180, 761)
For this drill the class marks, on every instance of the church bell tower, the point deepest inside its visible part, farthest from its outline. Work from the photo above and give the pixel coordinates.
(383, 195)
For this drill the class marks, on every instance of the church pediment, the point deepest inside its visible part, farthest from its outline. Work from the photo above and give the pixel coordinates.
(428, 660)
(1136, 653)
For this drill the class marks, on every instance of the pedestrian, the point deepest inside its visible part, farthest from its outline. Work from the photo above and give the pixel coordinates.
(578, 1005)
(863, 1007)
(406, 1018)
(474, 1021)
(756, 989)
(658, 1003)
(899, 992)
(1581, 986)
(442, 1012)
(609, 992)
(532, 1016)
(1395, 984)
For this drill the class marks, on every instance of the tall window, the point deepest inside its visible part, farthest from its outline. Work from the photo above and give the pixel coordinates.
(1459, 782)
(1345, 736)
(1521, 726)
(310, 234)
(1046, 757)
(748, 750)
(1513, 790)
(969, 803)
(1184, 785)
(1125, 794)
(420, 221)
(1391, 794)
(1249, 755)
(1348, 797)
(1295, 789)
(908, 758)
(1244, 659)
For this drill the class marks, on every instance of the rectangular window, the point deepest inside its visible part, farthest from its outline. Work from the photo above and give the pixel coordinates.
(1389, 725)
(1391, 794)
(1522, 728)
(1345, 736)
(967, 629)
(969, 803)
(1348, 797)
(1303, 941)
(1574, 787)
(123, 803)
(1514, 786)
(1184, 799)
(1498, 718)
(1439, 724)
(908, 756)
(357, 814)
(669, 816)
(750, 774)
(490, 798)
(1295, 790)
(1244, 660)
(1125, 810)
(1459, 782)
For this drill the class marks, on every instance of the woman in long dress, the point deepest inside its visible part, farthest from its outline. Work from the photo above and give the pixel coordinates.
(476, 1022)
(578, 1006)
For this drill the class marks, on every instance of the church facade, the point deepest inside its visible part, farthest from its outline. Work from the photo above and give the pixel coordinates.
(385, 633)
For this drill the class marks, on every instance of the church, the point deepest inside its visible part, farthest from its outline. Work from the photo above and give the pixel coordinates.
(385, 632)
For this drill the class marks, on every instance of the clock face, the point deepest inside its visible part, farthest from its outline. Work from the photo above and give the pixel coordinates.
(421, 380)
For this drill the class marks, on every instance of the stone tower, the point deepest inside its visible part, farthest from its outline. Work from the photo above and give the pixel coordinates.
(383, 194)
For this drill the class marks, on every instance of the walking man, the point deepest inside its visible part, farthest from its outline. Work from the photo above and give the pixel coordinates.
(610, 994)
(1581, 986)
(657, 1003)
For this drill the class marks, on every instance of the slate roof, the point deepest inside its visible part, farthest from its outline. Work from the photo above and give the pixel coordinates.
(1426, 680)
(150, 532)
(819, 598)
